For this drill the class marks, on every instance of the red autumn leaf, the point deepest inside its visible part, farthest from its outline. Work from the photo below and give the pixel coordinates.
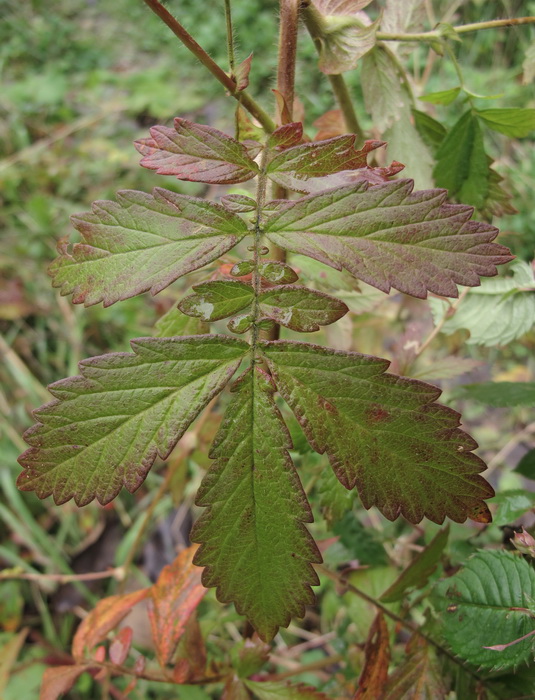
(102, 619)
(120, 646)
(60, 679)
(286, 136)
(377, 653)
(329, 125)
(173, 598)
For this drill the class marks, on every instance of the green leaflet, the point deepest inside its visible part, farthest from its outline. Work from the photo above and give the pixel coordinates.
(526, 466)
(462, 165)
(431, 131)
(475, 607)
(443, 97)
(383, 434)
(254, 545)
(389, 236)
(495, 313)
(283, 691)
(216, 300)
(142, 242)
(105, 428)
(515, 123)
(512, 504)
(174, 322)
(299, 308)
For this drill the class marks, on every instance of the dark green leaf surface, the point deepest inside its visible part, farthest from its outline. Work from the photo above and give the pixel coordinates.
(431, 131)
(475, 606)
(105, 428)
(197, 153)
(417, 574)
(142, 242)
(299, 308)
(526, 466)
(389, 236)
(515, 123)
(383, 434)
(254, 545)
(502, 393)
(219, 299)
(462, 165)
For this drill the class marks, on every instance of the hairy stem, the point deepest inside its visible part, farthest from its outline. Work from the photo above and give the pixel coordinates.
(288, 23)
(189, 42)
(463, 29)
(260, 200)
(316, 28)
(230, 38)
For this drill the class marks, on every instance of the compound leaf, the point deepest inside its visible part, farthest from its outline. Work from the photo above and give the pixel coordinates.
(105, 428)
(462, 165)
(281, 690)
(142, 242)
(299, 308)
(295, 166)
(389, 236)
(383, 434)
(254, 545)
(216, 300)
(497, 312)
(477, 606)
(197, 153)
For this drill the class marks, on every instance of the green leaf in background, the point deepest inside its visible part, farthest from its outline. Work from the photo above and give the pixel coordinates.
(515, 123)
(526, 466)
(495, 313)
(360, 542)
(335, 501)
(175, 323)
(501, 393)
(213, 301)
(512, 504)
(365, 421)
(431, 131)
(417, 574)
(462, 165)
(106, 427)
(254, 545)
(142, 242)
(476, 604)
(443, 97)
(390, 236)
(405, 141)
(300, 308)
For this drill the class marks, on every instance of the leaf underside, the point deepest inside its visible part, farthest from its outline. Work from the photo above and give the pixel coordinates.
(389, 236)
(254, 545)
(383, 434)
(142, 242)
(106, 427)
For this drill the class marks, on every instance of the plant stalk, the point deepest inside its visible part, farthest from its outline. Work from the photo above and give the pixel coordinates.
(316, 28)
(243, 97)
(230, 38)
(463, 29)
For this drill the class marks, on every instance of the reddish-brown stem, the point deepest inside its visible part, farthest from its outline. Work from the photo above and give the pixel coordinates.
(189, 42)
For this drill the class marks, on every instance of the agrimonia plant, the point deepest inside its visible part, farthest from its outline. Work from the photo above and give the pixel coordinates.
(385, 435)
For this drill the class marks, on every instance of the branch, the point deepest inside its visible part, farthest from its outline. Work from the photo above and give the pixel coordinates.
(463, 29)
(189, 42)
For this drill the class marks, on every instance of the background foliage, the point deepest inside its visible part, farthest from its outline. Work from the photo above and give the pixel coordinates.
(81, 81)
